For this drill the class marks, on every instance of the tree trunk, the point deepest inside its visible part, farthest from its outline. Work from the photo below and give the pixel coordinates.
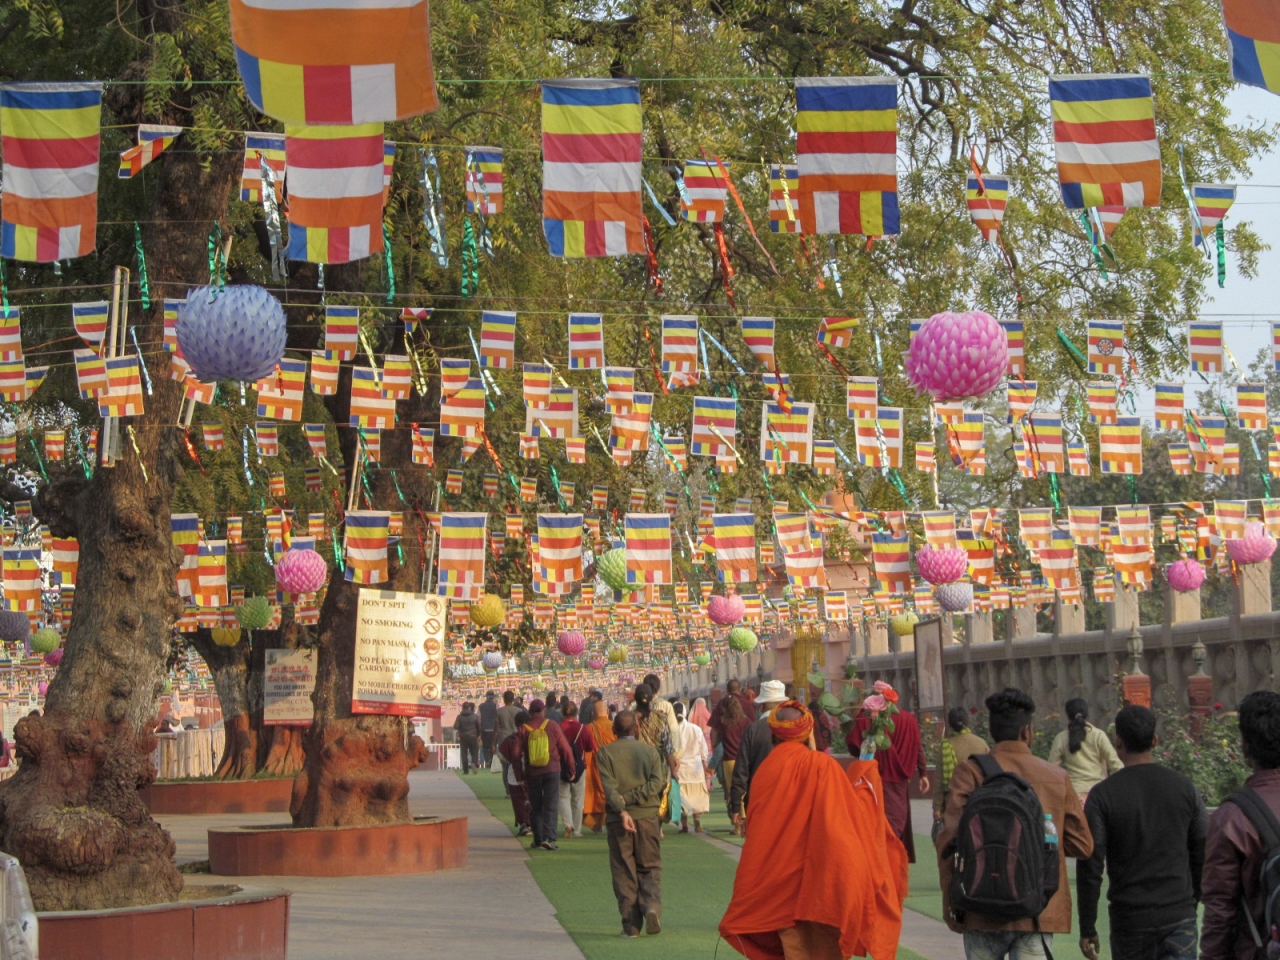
(71, 813)
(283, 753)
(229, 667)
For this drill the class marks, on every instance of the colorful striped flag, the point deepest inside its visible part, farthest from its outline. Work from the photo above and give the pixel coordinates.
(575, 449)
(1231, 460)
(1104, 129)
(801, 555)
(324, 372)
(734, 539)
(169, 314)
(483, 180)
(341, 331)
(925, 456)
(397, 376)
(835, 332)
(1022, 395)
(1132, 563)
(1169, 406)
(560, 548)
(970, 441)
(1085, 524)
(824, 457)
(1015, 341)
(1253, 35)
(55, 442)
(1044, 435)
(10, 334)
(370, 446)
(1207, 437)
(267, 436)
(786, 437)
(335, 192)
(66, 559)
(1204, 340)
(846, 149)
(891, 558)
(1058, 562)
(705, 194)
(314, 432)
(1251, 405)
(591, 149)
(586, 341)
(939, 528)
(715, 422)
(213, 437)
(185, 535)
(364, 541)
(1106, 343)
(987, 197)
(424, 445)
(90, 321)
(1035, 526)
(648, 548)
(758, 334)
(210, 589)
(52, 133)
(863, 397)
(335, 61)
(1120, 446)
(784, 211)
(879, 440)
(280, 394)
(123, 397)
(680, 350)
(153, 140)
(91, 373)
(498, 339)
(537, 383)
(259, 147)
(1078, 459)
(1102, 402)
(1133, 524)
(370, 406)
(631, 431)
(1212, 201)
(454, 375)
(388, 169)
(620, 389)
(462, 414)
(558, 419)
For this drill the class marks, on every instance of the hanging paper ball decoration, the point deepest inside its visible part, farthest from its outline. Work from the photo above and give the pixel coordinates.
(53, 658)
(596, 663)
(14, 626)
(492, 660)
(488, 611)
(954, 597)
(617, 653)
(236, 333)
(301, 571)
(904, 624)
(727, 609)
(254, 613)
(1255, 546)
(612, 567)
(702, 659)
(42, 688)
(742, 639)
(226, 636)
(945, 565)
(957, 355)
(1185, 575)
(571, 643)
(45, 640)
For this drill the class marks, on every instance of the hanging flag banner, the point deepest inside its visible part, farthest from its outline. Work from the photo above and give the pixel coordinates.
(1253, 36)
(586, 341)
(714, 430)
(483, 181)
(1251, 405)
(52, 134)
(706, 192)
(1204, 341)
(90, 322)
(153, 140)
(498, 339)
(987, 199)
(1169, 406)
(863, 396)
(334, 179)
(1120, 446)
(1102, 402)
(758, 335)
(786, 437)
(680, 350)
(591, 150)
(1106, 345)
(280, 394)
(365, 545)
(257, 148)
(648, 548)
(784, 212)
(324, 372)
(734, 539)
(399, 655)
(1212, 201)
(620, 385)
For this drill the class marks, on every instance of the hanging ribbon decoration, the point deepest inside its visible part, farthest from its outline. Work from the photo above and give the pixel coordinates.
(1072, 349)
(1092, 234)
(831, 267)
(470, 261)
(271, 213)
(1262, 465)
(39, 458)
(217, 259)
(831, 359)
(482, 209)
(726, 268)
(85, 465)
(1221, 238)
(733, 192)
(133, 442)
(719, 346)
(433, 207)
(1055, 494)
(244, 449)
(4, 288)
(143, 286)
(146, 374)
(191, 449)
(653, 359)
(1133, 489)
(388, 264)
(651, 258)
(653, 198)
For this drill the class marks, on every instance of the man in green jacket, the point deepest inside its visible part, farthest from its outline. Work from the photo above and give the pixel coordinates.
(634, 777)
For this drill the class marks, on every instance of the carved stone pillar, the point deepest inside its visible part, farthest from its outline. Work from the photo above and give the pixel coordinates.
(1181, 607)
(1253, 592)
(977, 628)
(1021, 623)
(1068, 618)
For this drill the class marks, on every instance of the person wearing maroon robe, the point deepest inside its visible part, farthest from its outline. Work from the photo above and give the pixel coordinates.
(903, 760)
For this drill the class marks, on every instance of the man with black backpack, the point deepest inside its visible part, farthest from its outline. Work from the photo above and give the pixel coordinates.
(1241, 882)
(1003, 869)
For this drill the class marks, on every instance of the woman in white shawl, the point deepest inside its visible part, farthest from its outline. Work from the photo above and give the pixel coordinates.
(693, 754)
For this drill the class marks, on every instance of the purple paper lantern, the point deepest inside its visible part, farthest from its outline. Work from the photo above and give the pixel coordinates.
(957, 355)
(954, 597)
(492, 660)
(726, 610)
(1255, 546)
(571, 643)
(1185, 575)
(301, 571)
(15, 627)
(938, 566)
(236, 333)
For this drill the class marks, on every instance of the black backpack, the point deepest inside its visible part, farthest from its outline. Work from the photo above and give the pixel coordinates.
(1264, 821)
(1002, 868)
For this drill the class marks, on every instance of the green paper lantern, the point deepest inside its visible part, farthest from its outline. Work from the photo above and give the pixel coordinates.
(618, 653)
(742, 640)
(702, 659)
(254, 613)
(225, 636)
(46, 640)
(904, 624)
(612, 567)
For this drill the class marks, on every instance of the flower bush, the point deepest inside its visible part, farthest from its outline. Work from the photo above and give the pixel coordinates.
(1214, 761)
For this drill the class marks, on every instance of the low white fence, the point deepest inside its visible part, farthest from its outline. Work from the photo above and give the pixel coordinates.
(185, 754)
(19, 931)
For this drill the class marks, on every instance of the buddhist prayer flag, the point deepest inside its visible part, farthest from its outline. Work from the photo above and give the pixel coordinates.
(1132, 562)
(337, 62)
(153, 140)
(498, 339)
(537, 383)
(677, 450)
(758, 334)
(1022, 395)
(267, 438)
(280, 394)
(1106, 346)
(620, 392)
(1229, 517)
(1120, 446)
(370, 406)
(49, 208)
(784, 210)
(987, 197)
(213, 439)
(1015, 337)
(1231, 460)
(879, 440)
(735, 545)
(259, 147)
(397, 376)
(586, 341)
(714, 426)
(648, 548)
(680, 350)
(365, 546)
(1212, 202)
(423, 445)
(1085, 524)
(631, 431)
(575, 449)
(560, 548)
(863, 396)
(835, 332)
(335, 191)
(1102, 402)
(13, 382)
(456, 374)
(705, 192)
(1169, 406)
(1104, 129)
(324, 372)
(1253, 34)
(559, 418)
(846, 149)
(1035, 526)
(892, 561)
(55, 442)
(90, 321)
(1206, 436)
(591, 149)
(66, 558)
(211, 574)
(925, 456)
(786, 437)
(1044, 434)
(939, 528)
(1078, 458)
(1251, 405)
(1133, 524)
(969, 436)
(1204, 338)
(801, 555)
(341, 331)
(10, 334)
(1179, 458)
(1058, 562)
(483, 181)
(91, 373)
(314, 432)
(124, 389)
(170, 316)
(462, 415)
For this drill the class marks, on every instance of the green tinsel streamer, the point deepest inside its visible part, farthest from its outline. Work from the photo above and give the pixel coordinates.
(470, 260)
(1055, 494)
(39, 458)
(143, 285)
(4, 288)
(1262, 465)
(1133, 489)
(1072, 349)
(1220, 236)
(391, 270)
(1092, 234)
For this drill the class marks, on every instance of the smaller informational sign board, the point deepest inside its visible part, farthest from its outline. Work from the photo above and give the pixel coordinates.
(287, 687)
(399, 668)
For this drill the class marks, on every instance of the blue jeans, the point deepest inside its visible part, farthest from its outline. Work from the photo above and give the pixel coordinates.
(1176, 941)
(1005, 945)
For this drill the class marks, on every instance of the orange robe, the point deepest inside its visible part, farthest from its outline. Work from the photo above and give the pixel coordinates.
(820, 851)
(593, 792)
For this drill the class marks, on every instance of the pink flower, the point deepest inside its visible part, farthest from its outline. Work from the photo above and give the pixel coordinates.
(880, 686)
(876, 704)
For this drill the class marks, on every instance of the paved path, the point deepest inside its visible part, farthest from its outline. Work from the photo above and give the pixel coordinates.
(493, 903)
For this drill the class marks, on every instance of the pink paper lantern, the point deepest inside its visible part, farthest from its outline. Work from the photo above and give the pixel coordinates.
(957, 355)
(596, 663)
(54, 657)
(1255, 546)
(301, 571)
(42, 688)
(945, 565)
(727, 609)
(571, 643)
(1185, 575)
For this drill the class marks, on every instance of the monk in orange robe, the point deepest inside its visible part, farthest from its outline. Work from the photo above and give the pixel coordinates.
(593, 793)
(821, 876)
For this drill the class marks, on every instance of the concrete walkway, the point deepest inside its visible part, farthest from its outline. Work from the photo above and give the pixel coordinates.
(493, 903)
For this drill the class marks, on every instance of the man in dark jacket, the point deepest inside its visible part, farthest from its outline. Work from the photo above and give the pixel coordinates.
(507, 724)
(1234, 850)
(543, 782)
(488, 726)
(467, 727)
(757, 742)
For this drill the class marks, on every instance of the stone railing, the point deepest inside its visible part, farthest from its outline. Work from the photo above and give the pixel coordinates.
(19, 929)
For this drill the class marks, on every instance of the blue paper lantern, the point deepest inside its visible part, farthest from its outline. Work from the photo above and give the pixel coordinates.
(236, 333)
